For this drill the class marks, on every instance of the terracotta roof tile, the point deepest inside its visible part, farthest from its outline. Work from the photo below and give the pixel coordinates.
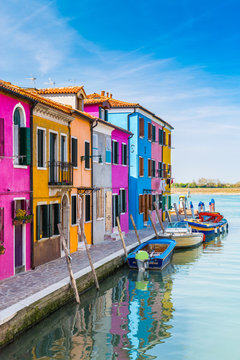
(61, 90)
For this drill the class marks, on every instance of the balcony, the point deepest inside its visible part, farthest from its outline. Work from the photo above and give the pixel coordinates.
(60, 173)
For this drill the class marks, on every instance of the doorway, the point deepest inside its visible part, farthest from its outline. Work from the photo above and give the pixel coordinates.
(65, 221)
(115, 210)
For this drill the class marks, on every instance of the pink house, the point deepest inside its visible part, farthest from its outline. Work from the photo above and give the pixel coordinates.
(15, 158)
(156, 150)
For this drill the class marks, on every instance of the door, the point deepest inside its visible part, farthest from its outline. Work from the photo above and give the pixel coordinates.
(19, 266)
(108, 212)
(115, 200)
(53, 158)
(65, 220)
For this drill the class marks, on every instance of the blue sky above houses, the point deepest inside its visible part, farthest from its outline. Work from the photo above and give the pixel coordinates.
(179, 59)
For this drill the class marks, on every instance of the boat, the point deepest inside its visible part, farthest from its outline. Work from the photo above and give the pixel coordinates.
(183, 234)
(152, 254)
(208, 223)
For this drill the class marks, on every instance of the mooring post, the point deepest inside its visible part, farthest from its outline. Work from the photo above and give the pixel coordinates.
(135, 228)
(159, 217)
(176, 211)
(83, 237)
(69, 264)
(184, 209)
(153, 225)
(168, 215)
(121, 236)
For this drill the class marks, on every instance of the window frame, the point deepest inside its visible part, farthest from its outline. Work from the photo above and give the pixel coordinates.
(75, 138)
(85, 208)
(153, 168)
(65, 147)
(153, 133)
(108, 139)
(141, 159)
(74, 196)
(89, 159)
(44, 148)
(123, 197)
(124, 146)
(141, 127)
(23, 123)
(95, 150)
(115, 143)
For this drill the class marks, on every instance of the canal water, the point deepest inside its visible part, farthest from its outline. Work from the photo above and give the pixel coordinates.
(191, 310)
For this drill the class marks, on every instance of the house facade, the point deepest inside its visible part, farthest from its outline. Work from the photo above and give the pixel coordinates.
(167, 168)
(80, 148)
(15, 185)
(146, 175)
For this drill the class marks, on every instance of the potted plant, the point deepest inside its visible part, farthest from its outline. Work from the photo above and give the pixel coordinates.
(2, 249)
(22, 217)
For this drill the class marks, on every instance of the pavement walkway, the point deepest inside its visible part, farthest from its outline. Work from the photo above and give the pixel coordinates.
(20, 290)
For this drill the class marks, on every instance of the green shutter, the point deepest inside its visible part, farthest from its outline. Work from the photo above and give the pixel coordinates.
(87, 154)
(51, 219)
(169, 202)
(163, 203)
(56, 218)
(25, 146)
(46, 224)
(38, 222)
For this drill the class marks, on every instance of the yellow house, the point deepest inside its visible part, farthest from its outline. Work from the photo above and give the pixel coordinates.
(52, 174)
(167, 168)
(81, 158)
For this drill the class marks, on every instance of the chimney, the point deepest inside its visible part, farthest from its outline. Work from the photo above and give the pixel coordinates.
(102, 93)
(107, 94)
(111, 96)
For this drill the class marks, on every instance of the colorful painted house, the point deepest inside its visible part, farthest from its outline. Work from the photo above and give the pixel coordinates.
(146, 178)
(80, 145)
(167, 167)
(111, 176)
(15, 185)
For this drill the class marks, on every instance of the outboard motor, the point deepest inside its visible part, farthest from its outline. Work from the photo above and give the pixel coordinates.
(142, 258)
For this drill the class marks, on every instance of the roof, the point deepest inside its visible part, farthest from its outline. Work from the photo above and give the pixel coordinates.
(61, 90)
(96, 98)
(32, 96)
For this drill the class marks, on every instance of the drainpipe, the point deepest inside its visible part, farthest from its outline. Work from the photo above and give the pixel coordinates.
(31, 180)
(92, 127)
(128, 125)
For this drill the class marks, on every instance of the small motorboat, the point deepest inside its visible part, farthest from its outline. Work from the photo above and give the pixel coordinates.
(208, 223)
(152, 254)
(182, 233)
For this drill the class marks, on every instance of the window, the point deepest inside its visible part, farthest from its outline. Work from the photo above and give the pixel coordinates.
(153, 133)
(163, 170)
(100, 203)
(87, 207)
(87, 155)
(149, 167)
(159, 169)
(141, 127)
(48, 217)
(103, 114)
(114, 152)
(63, 148)
(74, 209)
(160, 201)
(21, 135)
(164, 138)
(169, 203)
(124, 154)
(153, 168)
(169, 170)
(169, 140)
(160, 136)
(41, 148)
(1, 137)
(108, 150)
(74, 148)
(95, 147)
(141, 166)
(123, 200)
(1, 226)
(149, 131)
(153, 201)
(141, 204)
(150, 201)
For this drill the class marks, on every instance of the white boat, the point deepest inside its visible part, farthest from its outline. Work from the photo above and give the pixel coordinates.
(183, 235)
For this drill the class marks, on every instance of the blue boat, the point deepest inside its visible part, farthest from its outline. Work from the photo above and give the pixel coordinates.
(208, 223)
(152, 254)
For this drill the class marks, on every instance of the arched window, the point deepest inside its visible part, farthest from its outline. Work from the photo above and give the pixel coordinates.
(21, 138)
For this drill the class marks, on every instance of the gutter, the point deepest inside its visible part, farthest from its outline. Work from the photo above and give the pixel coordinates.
(92, 127)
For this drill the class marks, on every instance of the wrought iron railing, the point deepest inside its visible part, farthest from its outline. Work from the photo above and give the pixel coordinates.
(60, 173)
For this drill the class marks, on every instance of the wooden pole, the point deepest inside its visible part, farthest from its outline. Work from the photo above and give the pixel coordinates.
(159, 217)
(176, 211)
(83, 237)
(135, 228)
(69, 264)
(153, 225)
(184, 209)
(121, 236)
(168, 215)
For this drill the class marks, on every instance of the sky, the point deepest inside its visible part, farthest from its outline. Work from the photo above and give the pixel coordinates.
(179, 59)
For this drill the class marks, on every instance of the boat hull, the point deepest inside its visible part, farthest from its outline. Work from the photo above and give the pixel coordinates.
(154, 262)
(188, 240)
(208, 228)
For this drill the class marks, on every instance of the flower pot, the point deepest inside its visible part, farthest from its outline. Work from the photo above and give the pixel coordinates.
(2, 250)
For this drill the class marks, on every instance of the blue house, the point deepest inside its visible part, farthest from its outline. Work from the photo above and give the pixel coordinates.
(143, 168)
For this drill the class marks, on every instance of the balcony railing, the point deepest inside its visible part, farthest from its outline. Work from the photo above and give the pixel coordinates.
(60, 173)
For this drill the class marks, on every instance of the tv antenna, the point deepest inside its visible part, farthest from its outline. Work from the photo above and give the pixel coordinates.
(50, 82)
(33, 79)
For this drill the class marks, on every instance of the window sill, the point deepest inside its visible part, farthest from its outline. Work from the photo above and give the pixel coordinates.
(87, 169)
(88, 222)
(49, 238)
(41, 168)
(20, 166)
(74, 225)
(100, 219)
